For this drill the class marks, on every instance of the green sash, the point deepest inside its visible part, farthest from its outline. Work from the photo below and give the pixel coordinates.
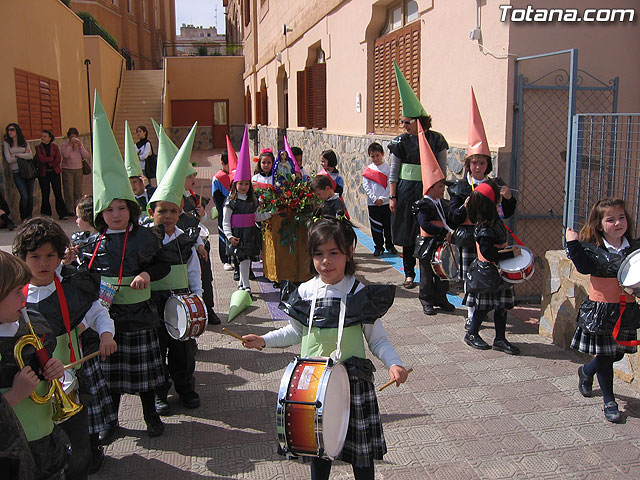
(63, 352)
(35, 419)
(409, 171)
(127, 295)
(177, 279)
(323, 342)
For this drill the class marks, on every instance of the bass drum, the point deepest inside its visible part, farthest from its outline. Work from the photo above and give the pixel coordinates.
(185, 316)
(629, 274)
(312, 414)
(446, 261)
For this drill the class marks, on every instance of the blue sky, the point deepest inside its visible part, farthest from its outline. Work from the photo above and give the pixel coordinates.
(200, 13)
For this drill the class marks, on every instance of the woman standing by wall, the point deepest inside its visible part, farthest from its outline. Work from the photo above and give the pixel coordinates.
(73, 152)
(48, 154)
(15, 146)
(145, 154)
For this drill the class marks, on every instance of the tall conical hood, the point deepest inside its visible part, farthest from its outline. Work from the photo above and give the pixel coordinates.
(243, 172)
(231, 155)
(477, 137)
(131, 160)
(156, 127)
(167, 150)
(411, 106)
(110, 179)
(171, 187)
(431, 172)
(287, 149)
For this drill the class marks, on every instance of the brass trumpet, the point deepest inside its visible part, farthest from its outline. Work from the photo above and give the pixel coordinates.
(63, 406)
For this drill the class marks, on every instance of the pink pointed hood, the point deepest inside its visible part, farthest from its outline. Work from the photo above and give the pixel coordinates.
(287, 149)
(477, 137)
(431, 172)
(243, 172)
(233, 158)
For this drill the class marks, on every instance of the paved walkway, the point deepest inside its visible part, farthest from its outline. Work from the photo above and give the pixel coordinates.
(463, 413)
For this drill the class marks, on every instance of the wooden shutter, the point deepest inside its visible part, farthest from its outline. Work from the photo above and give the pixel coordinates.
(302, 98)
(403, 46)
(247, 107)
(265, 106)
(308, 87)
(258, 108)
(319, 95)
(38, 103)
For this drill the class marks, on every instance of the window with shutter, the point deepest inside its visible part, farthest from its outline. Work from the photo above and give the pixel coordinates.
(302, 98)
(319, 95)
(403, 46)
(265, 106)
(258, 108)
(38, 104)
(247, 107)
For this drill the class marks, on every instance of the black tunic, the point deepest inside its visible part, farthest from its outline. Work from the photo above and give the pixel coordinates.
(405, 147)
(425, 211)
(143, 254)
(250, 239)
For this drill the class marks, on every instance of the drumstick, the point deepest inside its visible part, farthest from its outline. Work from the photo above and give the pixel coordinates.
(452, 255)
(82, 360)
(391, 382)
(235, 335)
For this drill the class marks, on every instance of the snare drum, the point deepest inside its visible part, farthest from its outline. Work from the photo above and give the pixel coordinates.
(312, 415)
(517, 269)
(629, 274)
(185, 316)
(446, 261)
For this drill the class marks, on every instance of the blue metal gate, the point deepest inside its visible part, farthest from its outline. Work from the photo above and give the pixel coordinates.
(542, 127)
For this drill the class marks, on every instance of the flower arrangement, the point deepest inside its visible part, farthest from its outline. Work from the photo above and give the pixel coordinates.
(294, 201)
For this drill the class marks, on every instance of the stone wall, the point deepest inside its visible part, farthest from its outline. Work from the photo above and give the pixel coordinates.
(352, 158)
(10, 192)
(563, 291)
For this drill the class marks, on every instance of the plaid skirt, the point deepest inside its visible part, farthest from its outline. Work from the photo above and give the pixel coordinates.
(100, 408)
(603, 344)
(467, 255)
(503, 298)
(137, 364)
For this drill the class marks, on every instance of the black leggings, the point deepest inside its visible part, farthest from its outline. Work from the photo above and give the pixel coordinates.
(321, 468)
(499, 319)
(148, 400)
(602, 365)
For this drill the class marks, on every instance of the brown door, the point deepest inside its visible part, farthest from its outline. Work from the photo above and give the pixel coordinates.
(220, 123)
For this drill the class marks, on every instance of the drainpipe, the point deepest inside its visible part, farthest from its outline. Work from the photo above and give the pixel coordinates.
(87, 62)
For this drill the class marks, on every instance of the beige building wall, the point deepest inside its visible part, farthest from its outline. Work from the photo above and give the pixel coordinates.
(200, 78)
(105, 71)
(50, 44)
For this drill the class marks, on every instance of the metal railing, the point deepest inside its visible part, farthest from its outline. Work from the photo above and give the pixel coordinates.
(201, 49)
(604, 162)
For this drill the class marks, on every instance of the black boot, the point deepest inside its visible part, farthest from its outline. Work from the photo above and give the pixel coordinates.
(97, 454)
(7, 222)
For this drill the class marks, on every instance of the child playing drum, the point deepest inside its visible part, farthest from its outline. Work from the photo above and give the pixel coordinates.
(179, 251)
(316, 308)
(604, 243)
(486, 290)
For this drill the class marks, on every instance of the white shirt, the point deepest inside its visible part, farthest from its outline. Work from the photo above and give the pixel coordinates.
(97, 317)
(612, 249)
(193, 264)
(373, 189)
(227, 212)
(374, 333)
(9, 329)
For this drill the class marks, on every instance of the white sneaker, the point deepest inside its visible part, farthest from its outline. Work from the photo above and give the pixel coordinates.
(227, 267)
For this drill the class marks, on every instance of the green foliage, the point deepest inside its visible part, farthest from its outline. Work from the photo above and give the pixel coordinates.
(92, 27)
(202, 50)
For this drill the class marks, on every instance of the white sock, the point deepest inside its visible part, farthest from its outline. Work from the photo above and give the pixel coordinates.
(245, 265)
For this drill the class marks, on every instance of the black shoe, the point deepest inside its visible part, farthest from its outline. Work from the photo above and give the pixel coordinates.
(108, 434)
(10, 225)
(276, 285)
(162, 406)
(506, 347)
(213, 318)
(585, 383)
(409, 283)
(252, 276)
(63, 218)
(97, 459)
(190, 400)
(447, 306)
(476, 341)
(392, 250)
(236, 275)
(155, 427)
(428, 310)
(467, 324)
(611, 412)
(378, 251)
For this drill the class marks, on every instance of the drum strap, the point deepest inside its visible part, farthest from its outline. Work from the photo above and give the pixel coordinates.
(616, 328)
(336, 355)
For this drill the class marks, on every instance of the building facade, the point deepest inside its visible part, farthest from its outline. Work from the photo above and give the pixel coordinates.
(142, 28)
(199, 41)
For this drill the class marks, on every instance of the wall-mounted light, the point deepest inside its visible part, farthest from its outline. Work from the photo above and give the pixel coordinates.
(285, 30)
(279, 57)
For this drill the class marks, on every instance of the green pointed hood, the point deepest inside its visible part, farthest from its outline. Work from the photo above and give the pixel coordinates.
(167, 151)
(156, 127)
(171, 187)
(131, 160)
(110, 179)
(411, 106)
(191, 168)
